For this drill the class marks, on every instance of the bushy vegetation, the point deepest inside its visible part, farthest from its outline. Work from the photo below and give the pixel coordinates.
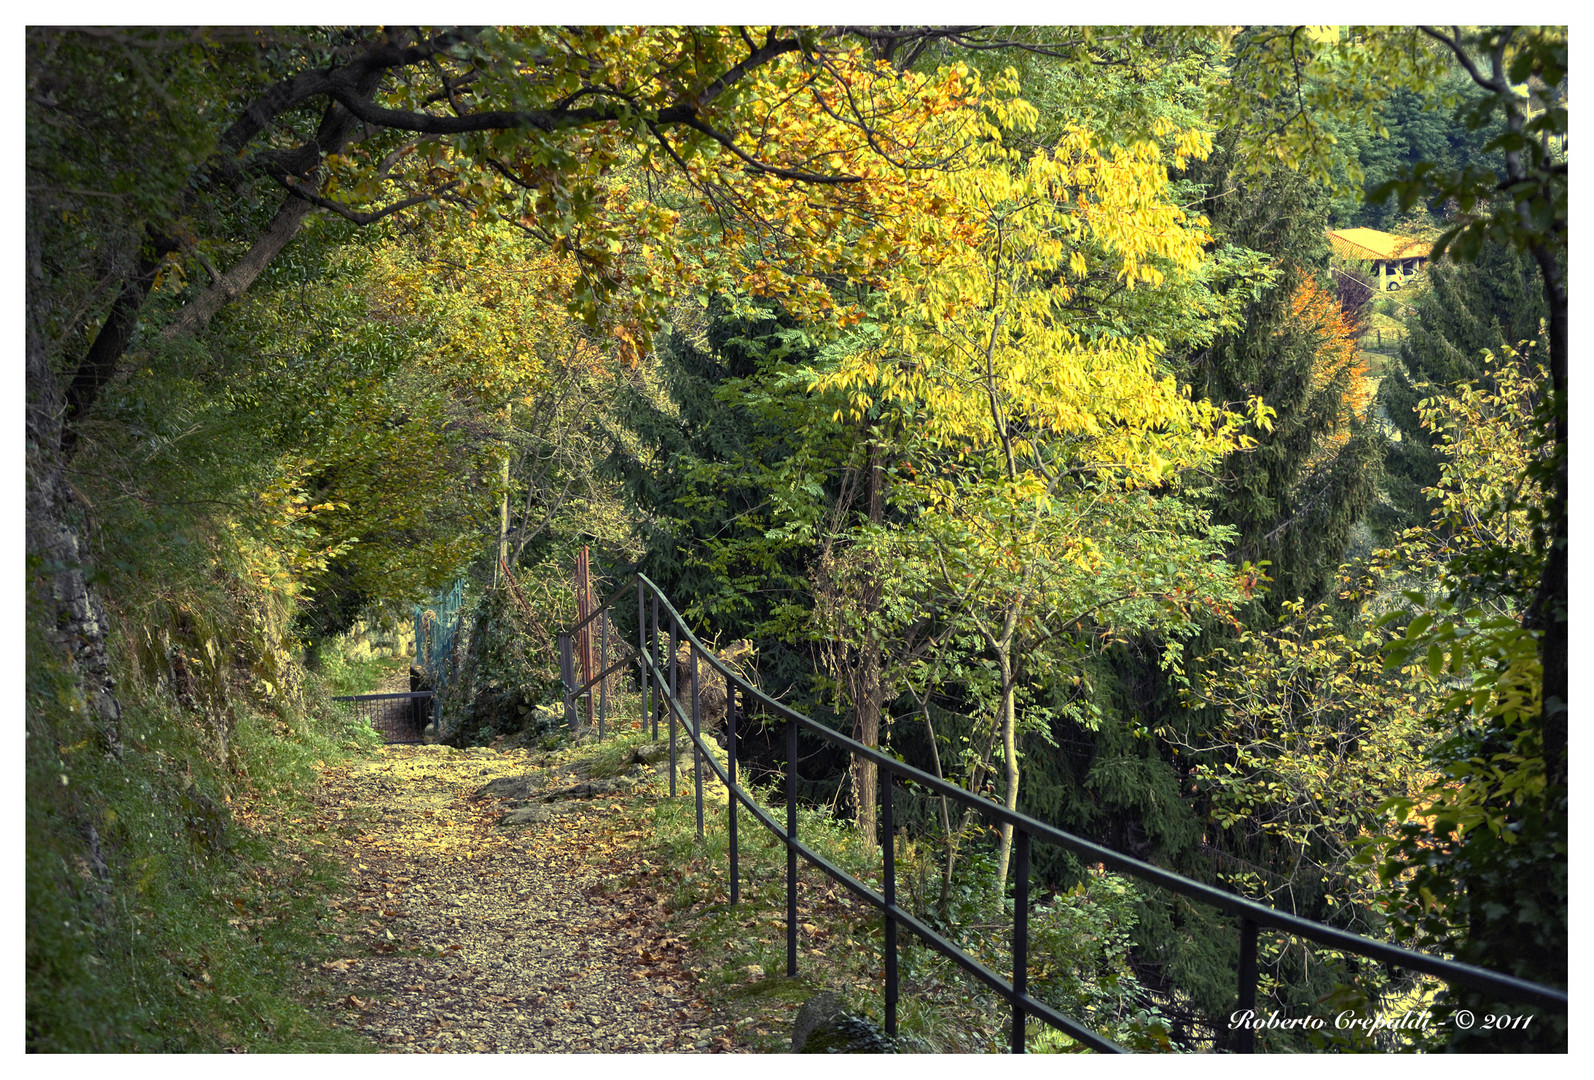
(164, 915)
(998, 388)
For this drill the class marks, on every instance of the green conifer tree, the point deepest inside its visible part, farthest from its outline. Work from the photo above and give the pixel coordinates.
(1292, 507)
(1467, 308)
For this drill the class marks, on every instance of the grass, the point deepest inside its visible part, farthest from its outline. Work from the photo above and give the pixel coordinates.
(165, 911)
(740, 951)
(343, 676)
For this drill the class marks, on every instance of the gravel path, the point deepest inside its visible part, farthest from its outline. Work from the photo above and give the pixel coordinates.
(464, 935)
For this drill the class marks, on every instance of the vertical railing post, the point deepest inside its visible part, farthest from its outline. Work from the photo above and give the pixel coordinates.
(658, 672)
(568, 676)
(889, 843)
(1246, 1043)
(642, 649)
(669, 661)
(730, 788)
(603, 665)
(1020, 933)
(697, 752)
(791, 848)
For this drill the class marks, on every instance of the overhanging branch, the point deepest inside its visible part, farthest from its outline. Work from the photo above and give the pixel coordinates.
(361, 217)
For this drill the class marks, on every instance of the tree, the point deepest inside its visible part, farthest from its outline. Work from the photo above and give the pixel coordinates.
(793, 134)
(1296, 497)
(407, 120)
(1041, 447)
(1517, 197)
(1491, 304)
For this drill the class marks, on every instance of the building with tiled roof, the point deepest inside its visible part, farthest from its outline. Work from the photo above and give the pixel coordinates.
(1395, 259)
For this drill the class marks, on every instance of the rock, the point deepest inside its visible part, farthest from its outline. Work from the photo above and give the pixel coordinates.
(509, 787)
(526, 815)
(651, 753)
(848, 1034)
(583, 790)
(823, 1027)
(546, 718)
(815, 1011)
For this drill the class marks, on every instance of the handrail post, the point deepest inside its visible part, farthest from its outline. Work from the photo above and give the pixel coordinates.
(603, 665)
(1246, 1041)
(791, 848)
(1020, 934)
(642, 649)
(658, 681)
(889, 843)
(1250, 914)
(697, 751)
(567, 676)
(730, 789)
(674, 701)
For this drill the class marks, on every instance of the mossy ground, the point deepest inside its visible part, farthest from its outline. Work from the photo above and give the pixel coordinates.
(170, 902)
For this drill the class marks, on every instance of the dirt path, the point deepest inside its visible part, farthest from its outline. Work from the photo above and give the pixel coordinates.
(466, 935)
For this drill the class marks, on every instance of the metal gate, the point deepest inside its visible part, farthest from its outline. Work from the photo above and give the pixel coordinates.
(398, 718)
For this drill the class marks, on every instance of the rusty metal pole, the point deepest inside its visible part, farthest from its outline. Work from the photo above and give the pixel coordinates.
(658, 672)
(674, 701)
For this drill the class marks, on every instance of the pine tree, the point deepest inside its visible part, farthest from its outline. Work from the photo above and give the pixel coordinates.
(1467, 308)
(1294, 505)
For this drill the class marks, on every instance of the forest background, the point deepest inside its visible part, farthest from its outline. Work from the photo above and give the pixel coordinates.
(1000, 385)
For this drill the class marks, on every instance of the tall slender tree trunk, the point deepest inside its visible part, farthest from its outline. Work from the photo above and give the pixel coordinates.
(1009, 764)
(869, 692)
(503, 506)
(1548, 611)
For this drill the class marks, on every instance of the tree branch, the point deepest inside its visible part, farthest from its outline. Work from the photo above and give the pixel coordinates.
(758, 166)
(199, 311)
(362, 217)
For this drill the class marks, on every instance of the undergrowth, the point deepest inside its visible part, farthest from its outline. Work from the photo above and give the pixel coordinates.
(1078, 960)
(160, 917)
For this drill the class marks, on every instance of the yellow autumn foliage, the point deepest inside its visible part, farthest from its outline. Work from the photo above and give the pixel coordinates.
(983, 347)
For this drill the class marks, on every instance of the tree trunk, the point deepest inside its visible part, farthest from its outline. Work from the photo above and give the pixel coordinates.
(1009, 767)
(868, 692)
(1548, 611)
(57, 565)
(241, 274)
(99, 363)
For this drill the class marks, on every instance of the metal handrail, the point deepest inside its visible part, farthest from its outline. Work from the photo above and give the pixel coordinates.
(1253, 915)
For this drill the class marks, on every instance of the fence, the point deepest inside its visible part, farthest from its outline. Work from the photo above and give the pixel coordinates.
(437, 633)
(1253, 917)
(400, 718)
